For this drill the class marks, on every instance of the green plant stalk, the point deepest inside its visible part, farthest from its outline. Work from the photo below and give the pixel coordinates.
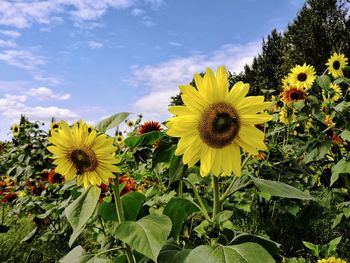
(121, 218)
(216, 205)
(201, 204)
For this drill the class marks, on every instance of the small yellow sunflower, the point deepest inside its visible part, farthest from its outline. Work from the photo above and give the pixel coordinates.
(292, 94)
(54, 126)
(215, 122)
(302, 76)
(336, 63)
(331, 260)
(88, 157)
(130, 123)
(287, 115)
(119, 139)
(15, 128)
(285, 82)
(333, 93)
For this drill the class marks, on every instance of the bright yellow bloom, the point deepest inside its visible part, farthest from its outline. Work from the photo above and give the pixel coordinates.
(302, 76)
(287, 115)
(333, 93)
(21, 194)
(292, 94)
(119, 140)
(331, 260)
(54, 126)
(130, 123)
(88, 157)
(15, 130)
(336, 63)
(215, 122)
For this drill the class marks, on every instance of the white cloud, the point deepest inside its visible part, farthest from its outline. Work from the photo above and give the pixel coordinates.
(21, 59)
(163, 79)
(7, 43)
(10, 33)
(43, 93)
(137, 12)
(175, 44)
(52, 80)
(95, 45)
(147, 22)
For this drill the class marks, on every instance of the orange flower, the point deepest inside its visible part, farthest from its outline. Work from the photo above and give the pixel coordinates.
(293, 94)
(130, 184)
(328, 121)
(55, 177)
(8, 198)
(336, 139)
(149, 126)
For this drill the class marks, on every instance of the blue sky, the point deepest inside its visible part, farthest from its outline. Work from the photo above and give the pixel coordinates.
(88, 59)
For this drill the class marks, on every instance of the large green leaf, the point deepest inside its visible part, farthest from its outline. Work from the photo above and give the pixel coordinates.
(279, 189)
(343, 166)
(177, 168)
(108, 211)
(144, 139)
(271, 246)
(178, 210)
(146, 235)
(172, 253)
(132, 203)
(242, 253)
(111, 122)
(76, 255)
(79, 212)
(323, 81)
(318, 153)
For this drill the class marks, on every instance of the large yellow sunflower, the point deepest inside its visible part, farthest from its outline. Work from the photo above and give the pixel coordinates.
(302, 76)
(336, 63)
(292, 94)
(15, 128)
(332, 93)
(215, 122)
(88, 157)
(331, 260)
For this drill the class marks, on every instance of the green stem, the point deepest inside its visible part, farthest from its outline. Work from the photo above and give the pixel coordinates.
(201, 204)
(121, 218)
(180, 189)
(216, 205)
(108, 250)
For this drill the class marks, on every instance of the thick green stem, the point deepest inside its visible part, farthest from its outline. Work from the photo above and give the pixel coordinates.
(216, 205)
(180, 189)
(121, 218)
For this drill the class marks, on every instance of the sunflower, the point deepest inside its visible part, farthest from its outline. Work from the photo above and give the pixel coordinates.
(15, 128)
(286, 115)
(130, 123)
(119, 139)
(302, 76)
(336, 63)
(88, 157)
(149, 126)
(331, 260)
(292, 94)
(332, 93)
(54, 126)
(215, 122)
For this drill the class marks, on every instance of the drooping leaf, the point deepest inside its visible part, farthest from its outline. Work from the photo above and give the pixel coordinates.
(112, 121)
(345, 135)
(279, 189)
(177, 168)
(271, 246)
(178, 210)
(108, 211)
(318, 153)
(343, 166)
(172, 253)
(146, 235)
(242, 253)
(79, 212)
(76, 255)
(132, 203)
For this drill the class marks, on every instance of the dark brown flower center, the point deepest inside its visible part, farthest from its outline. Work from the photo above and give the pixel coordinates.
(336, 65)
(295, 96)
(15, 129)
(55, 126)
(84, 160)
(302, 76)
(219, 125)
(89, 129)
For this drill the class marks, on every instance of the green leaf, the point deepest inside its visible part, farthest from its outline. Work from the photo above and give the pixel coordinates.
(342, 106)
(164, 151)
(323, 81)
(345, 135)
(223, 216)
(172, 253)
(132, 203)
(342, 166)
(331, 247)
(318, 153)
(272, 247)
(79, 212)
(178, 210)
(315, 249)
(111, 122)
(280, 189)
(76, 255)
(339, 80)
(242, 253)
(108, 211)
(146, 235)
(144, 139)
(177, 168)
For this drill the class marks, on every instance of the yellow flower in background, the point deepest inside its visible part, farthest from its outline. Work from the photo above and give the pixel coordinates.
(130, 123)
(335, 64)
(54, 126)
(21, 194)
(88, 157)
(119, 139)
(15, 128)
(309, 125)
(328, 121)
(331, 260)
(302, 76)
(286, 115)
(215, 122)
(292, 94)
(285, 82)
(333, 93)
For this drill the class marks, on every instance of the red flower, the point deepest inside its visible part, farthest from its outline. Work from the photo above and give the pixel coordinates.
(149, 126)
(54, 177)
(8, 198)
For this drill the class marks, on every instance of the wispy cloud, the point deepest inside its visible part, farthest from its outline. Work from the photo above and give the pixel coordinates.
(95, 45)
(10, 33)
(22, 59)
(43, 93)
(7, 43)
(163, 79)
(175, 44)
(137, 12)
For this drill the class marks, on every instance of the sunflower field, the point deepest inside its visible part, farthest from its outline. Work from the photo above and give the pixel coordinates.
(229, 178)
